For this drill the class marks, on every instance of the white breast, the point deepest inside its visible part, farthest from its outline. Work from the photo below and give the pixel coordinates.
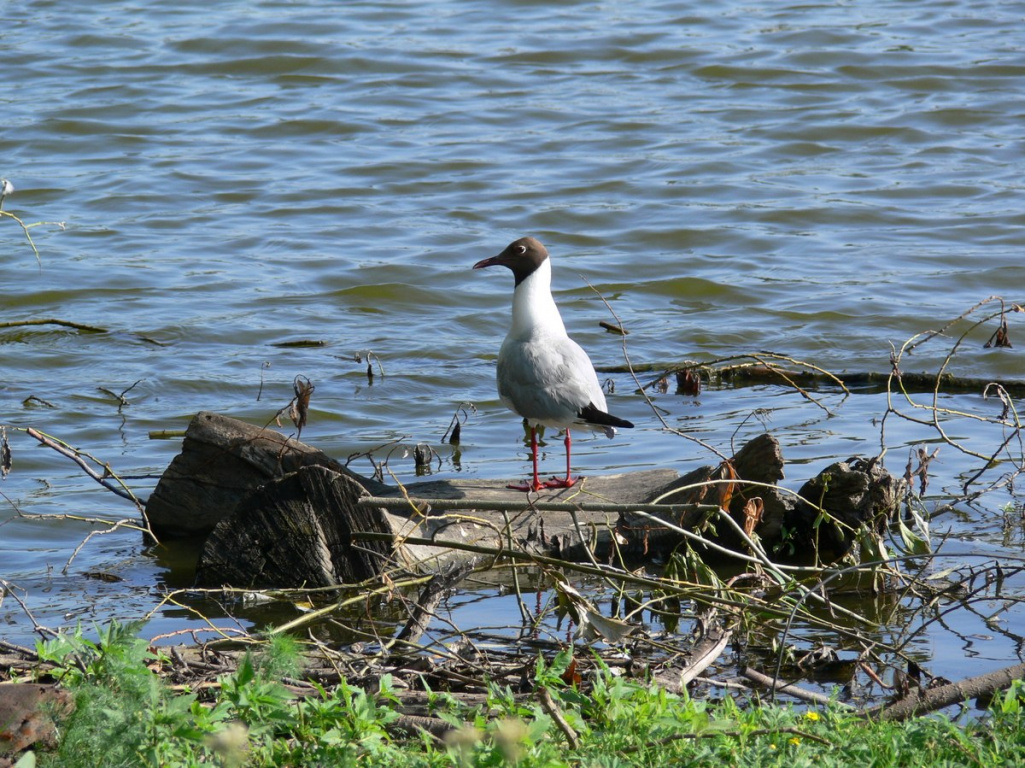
(543, 375)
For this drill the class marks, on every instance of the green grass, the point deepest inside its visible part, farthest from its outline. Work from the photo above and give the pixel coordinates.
(126, 715)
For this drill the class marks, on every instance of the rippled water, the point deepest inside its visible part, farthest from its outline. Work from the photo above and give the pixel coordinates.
(820, 180)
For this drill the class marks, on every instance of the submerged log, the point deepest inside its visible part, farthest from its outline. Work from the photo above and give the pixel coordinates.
(281, 513)
(765, 371)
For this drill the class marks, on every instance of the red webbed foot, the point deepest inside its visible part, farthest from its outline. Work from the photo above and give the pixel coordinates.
(560, 482)
(527, 487)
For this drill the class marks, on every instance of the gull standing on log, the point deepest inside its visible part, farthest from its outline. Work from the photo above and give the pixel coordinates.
(543, 375)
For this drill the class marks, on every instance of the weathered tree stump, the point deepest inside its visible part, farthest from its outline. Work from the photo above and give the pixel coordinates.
(856, 493)
(280, 513)
(222, 460)
(852, 494)
(752, 473)
(294, 527)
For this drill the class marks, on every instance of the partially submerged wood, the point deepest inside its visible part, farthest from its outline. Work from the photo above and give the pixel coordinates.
(853, 493)
(281, 513)
(857, 492)
(752, 473)
(299, 531)
(768, 369)
(222, 460)
(291, 529)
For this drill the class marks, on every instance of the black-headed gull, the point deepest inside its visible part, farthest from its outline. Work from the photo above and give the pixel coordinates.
(543, 375)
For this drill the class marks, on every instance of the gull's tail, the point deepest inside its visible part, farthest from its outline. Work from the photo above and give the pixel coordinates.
(601, 421)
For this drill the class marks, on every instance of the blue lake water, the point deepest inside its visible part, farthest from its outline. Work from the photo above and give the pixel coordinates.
(821, 180)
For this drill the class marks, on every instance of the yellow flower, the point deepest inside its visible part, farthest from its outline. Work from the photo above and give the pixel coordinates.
(795, 740)
(813, 716)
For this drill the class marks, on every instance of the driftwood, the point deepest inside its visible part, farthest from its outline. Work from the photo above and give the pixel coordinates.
(276, 512)
(855, 492)
(790, 689)
(222, 460)
(760, 461)
(920, 701)
(744, 374)
(322, 545)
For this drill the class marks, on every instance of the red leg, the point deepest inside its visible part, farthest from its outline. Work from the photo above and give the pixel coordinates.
(569, 482)
(536, 485)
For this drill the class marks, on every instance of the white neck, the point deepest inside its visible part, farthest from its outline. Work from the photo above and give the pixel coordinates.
(533, 306)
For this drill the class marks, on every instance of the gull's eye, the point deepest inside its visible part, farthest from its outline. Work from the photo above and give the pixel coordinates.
(521, 249)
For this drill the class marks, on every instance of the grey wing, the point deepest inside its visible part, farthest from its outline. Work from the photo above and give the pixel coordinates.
(548, 382)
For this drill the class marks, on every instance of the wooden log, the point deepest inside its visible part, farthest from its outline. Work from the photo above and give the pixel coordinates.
(920, 701)
(284, 514)
(752, 473)
(223, 460)
(273, 521)
(296, 532)
(578, 527)
(855, 493)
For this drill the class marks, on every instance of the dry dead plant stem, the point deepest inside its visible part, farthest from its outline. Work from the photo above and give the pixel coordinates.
(643, 391)
(549, 706)
(26, 227)
(79, 457)
(777, 607)
(10, 590)
(113, 527)
(762, 357)
(929, 335)
(1008, 420)
(774, 684)
(975, 594)
(777, 571)
(311, 616)
(521, 604)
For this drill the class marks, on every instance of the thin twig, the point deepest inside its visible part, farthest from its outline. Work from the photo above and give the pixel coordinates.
(774, 684)
(422, 506)
(549, 706)
(118, 488)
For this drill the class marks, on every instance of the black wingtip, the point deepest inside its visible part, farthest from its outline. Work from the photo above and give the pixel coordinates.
(592, 415)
